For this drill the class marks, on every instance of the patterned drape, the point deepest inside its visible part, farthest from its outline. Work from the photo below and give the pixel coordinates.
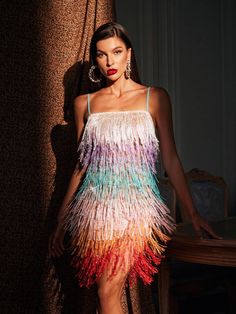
(44, 48)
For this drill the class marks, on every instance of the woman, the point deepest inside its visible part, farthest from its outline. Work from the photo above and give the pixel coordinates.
(117, 221)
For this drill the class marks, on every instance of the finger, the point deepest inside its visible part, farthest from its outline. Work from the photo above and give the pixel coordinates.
(50, 242)
(50, 247)
(212, 233)
(53, 250)
(58, 247)
(61, 248)
(198, 231)
(56, 251)
(59, 251)
(208, 231)
(58, 244)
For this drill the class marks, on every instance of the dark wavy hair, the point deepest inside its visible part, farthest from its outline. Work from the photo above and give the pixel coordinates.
(108, 30)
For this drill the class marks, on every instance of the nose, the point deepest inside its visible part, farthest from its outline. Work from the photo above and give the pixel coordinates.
(109, 60)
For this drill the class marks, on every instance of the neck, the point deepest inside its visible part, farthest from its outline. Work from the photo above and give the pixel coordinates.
(120, 86)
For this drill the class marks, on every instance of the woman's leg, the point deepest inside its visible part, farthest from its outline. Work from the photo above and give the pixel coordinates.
(110, 291)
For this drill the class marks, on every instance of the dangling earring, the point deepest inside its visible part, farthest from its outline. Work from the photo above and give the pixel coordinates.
(92, 76)
(128, 69)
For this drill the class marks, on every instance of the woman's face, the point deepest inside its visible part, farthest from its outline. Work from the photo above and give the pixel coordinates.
(112, 57)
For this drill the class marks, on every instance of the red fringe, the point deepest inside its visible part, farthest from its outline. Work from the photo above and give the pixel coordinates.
(90, 268)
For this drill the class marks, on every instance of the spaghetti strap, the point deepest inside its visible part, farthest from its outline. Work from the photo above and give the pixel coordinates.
(88, 103)
(147, 99)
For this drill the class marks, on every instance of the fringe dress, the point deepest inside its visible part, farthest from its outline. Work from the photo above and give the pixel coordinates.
(117, 219)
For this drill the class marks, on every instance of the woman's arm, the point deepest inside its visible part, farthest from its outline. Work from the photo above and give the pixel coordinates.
(160, 108)
(56, 246)
(80, 108)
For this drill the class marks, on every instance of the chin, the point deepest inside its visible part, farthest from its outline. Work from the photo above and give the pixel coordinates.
(113, 78)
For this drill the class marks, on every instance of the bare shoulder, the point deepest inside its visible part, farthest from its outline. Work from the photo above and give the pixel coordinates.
(80, 102)
(159, 100)
(80, 106)
(159, 94)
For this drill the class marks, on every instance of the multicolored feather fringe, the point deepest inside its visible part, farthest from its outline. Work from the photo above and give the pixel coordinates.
(117, 219)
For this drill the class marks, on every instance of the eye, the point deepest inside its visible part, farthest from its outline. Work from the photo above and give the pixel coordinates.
(99, 54)
(117, 52)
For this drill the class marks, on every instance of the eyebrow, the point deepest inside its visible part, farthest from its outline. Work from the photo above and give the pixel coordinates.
(118, 47)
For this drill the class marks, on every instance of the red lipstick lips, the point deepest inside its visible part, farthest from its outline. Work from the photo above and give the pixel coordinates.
(111, 72)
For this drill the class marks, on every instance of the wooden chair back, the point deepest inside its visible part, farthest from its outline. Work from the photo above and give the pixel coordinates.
(209, 193)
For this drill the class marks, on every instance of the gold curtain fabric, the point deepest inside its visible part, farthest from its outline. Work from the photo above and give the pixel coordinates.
(44, 50)
(44, 61)
(66, 28)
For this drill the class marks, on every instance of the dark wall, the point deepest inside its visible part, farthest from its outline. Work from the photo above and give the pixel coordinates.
(188, 47)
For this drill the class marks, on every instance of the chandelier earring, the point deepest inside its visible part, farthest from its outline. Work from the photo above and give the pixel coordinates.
(92, 76)
(128, 69)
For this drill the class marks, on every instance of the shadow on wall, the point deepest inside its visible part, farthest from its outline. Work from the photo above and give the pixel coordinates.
(76, 82)
(61, 288)
(24, 194)
(21, 186)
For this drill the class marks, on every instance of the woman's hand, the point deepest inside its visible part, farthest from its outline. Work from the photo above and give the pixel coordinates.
(56, 245)
(203, 228)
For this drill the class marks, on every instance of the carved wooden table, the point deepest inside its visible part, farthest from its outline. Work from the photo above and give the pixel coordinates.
(186, 247)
